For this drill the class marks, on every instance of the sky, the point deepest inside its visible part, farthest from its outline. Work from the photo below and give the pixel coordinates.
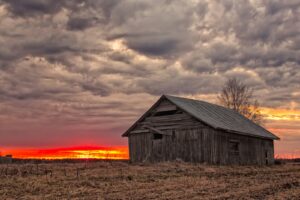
(79, 73)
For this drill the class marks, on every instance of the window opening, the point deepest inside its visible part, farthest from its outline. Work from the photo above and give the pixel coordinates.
(157, 136)
(234, 147)
(164, 113)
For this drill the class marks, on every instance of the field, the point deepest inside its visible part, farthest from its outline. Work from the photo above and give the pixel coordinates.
(120, 180)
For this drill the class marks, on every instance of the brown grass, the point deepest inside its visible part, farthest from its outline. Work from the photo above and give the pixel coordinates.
(119, 180)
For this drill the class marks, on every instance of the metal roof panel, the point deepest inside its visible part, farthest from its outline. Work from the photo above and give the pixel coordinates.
(220, 117)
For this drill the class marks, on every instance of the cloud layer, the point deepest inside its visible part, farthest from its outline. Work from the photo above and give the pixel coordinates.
(86, 69)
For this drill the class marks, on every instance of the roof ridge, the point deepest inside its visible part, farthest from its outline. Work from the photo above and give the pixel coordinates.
(202, 102)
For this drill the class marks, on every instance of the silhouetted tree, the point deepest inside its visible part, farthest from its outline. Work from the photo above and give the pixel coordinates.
(239, 97)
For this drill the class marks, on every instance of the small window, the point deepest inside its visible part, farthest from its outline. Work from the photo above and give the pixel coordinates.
(192, 136)
(234, 147)
(157, 136)
(165, 113)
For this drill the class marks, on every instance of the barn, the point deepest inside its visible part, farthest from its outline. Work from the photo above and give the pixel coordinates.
(197, 131)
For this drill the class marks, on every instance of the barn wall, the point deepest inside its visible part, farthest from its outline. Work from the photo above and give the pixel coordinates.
(185, 138)
(140, 147)
(200, 145)
(252, 150)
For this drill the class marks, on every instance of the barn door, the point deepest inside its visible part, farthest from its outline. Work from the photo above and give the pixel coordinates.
(157, 146)
(266, 153)
(234, 151)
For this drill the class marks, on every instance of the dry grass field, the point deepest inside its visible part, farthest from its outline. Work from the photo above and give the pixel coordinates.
(119, 180)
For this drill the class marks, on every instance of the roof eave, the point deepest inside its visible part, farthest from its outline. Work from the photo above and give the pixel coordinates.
(248, 134)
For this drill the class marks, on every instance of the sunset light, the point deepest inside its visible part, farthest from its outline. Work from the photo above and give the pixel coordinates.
(281, 114)
(114, 153)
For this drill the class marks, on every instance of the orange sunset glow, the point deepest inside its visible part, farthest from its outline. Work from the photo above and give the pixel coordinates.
(285, 124)
(281, 114)
(114, 153)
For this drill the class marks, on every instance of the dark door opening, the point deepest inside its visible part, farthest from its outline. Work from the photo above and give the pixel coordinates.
(266, 157)
(157, 146)
(234, 151)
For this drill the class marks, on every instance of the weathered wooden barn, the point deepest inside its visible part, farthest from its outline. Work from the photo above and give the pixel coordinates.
(197, 131)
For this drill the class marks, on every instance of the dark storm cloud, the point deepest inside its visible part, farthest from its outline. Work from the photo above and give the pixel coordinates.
(163, 32)
(91, 13)
(249, 35)
(60, 61)
(152, 46)
(205, 37)
(80, 23)
(30, 8)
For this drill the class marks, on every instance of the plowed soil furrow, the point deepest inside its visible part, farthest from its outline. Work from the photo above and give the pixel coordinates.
(119, 180)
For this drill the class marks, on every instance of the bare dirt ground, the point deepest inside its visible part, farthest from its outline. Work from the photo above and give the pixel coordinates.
(119, 180)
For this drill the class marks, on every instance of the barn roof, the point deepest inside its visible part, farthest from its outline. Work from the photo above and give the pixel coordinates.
(216, 116)
(220, 117)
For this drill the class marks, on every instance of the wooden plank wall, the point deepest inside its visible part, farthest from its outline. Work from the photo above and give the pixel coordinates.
(174, 121)
(200, 145)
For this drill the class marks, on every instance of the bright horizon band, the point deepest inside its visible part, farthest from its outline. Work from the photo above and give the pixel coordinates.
(113, 153)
